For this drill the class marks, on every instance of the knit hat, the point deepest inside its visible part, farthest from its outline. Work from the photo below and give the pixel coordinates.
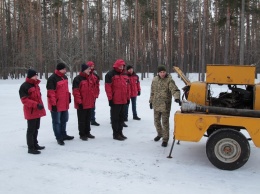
(90, 63)
(84, 67)
(161, 68)
(129, 67)
(60, 66)
(31, 73)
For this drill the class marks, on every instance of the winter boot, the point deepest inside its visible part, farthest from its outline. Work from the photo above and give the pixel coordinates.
(164, 144)
(94, 123)
(136, 118)
(124, 125)
(118, 137)
(122, 135)
(91, 136)
(60, 142)
(67, 137)
(157, 138)
(33, 151)
(37, 147)
(84, 138)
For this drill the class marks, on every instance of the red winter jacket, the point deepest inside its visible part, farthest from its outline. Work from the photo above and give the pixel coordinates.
(95, 80)
(31, 96)
(134, 84)
(83, 91)
(58, 91)
(117, 87)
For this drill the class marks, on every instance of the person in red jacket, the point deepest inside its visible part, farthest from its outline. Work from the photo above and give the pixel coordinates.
(135, 90)
(33, 109)
(58, 102)
(95, 79)
(84, 100)
(117, 90)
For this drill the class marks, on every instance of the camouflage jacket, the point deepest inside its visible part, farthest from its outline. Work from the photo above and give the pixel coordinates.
(162, 91)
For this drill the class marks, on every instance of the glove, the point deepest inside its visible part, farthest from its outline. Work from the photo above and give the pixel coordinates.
(40, 106)
(54, 108)
(128, 102)
(110, 103)
(139, 93)
(178, 101)
(151, 106)
(80, 107)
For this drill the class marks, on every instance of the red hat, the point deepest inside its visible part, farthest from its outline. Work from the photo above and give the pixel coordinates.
(119, 62)
(90, 63)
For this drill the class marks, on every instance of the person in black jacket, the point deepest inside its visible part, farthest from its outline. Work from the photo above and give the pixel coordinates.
(33, 109)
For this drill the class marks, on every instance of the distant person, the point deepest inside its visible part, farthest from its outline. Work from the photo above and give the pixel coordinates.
(59, 99)
(84, 100)
(95, 79)
(135, 90)
(162, 89)
(33, 109)
(117, 90)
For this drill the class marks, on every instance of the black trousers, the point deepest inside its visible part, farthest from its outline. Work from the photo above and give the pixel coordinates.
(117, 118)
(32, 132)
(84, 116)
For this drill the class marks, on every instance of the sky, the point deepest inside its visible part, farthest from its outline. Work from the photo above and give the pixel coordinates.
(103, 165)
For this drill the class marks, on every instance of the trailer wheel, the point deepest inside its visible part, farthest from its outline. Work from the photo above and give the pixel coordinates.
(227, 149)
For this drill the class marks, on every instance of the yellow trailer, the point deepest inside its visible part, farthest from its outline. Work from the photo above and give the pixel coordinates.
(221, 118)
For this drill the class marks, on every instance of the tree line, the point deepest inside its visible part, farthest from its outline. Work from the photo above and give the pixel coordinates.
(145, 33)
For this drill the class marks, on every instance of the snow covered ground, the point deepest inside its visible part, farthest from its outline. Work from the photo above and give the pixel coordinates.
(103, 165)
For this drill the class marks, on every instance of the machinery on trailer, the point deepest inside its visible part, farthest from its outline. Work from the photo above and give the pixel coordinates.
(224, 117)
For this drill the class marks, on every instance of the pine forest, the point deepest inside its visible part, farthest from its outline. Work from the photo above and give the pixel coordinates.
(145, 33)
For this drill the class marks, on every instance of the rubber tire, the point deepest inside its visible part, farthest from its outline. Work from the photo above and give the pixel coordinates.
(226, 135)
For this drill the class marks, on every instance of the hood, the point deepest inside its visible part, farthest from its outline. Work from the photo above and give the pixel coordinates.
(119, 63)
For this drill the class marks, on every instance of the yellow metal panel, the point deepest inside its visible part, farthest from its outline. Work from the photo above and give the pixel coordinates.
(231, 74)
(197, 93)
(257, 97)
(181, 74)
(192, 127)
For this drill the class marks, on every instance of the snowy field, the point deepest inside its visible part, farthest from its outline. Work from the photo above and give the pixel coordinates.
(137, 165)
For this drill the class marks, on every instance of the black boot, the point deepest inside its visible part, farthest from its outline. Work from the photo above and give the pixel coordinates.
(164, 144)
(122, 135)
(118, 137)
(60, 142)
(136, 118)
(84, 138)
(33, 151)
(67, 137)
(94, 123)
(124, 125)
(37, 147)
(157, 138)
(125, 119)
(91, 136)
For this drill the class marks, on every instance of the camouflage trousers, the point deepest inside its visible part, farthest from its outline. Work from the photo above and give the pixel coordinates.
(161, 123)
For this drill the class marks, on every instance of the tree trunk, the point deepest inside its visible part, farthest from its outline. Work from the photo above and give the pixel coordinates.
(226, 53)
(242, 34)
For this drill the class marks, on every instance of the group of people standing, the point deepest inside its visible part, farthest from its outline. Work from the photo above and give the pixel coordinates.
(85, 89)
(121, 85)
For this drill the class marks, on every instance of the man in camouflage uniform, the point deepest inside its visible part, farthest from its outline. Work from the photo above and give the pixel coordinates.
(162, 89)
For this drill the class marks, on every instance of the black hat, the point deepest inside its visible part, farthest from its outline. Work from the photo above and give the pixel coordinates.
(161, 68)
(84, 67)
(60, 66)
(129, 67)
(31, 73)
